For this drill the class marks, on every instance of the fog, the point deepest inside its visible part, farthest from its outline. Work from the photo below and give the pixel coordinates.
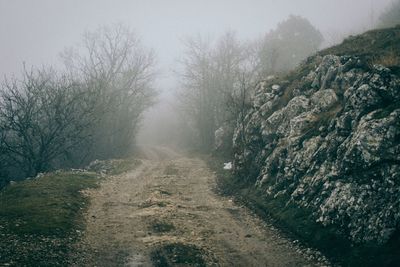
(35, 32)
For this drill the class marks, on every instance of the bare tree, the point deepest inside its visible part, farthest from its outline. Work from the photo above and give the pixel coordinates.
(195, 96)
(216, 80)
(42, 117)
(391, 16)
(118, 72)
(3, 161)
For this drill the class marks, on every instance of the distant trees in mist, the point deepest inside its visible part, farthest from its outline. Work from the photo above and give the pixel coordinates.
(52, 119)
(292, 41)
(92, 109)
(213, 81)
(118, 72)
(218, 78)
(391, 16)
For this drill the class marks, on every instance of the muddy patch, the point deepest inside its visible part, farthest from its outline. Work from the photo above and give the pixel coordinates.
(160, 227)
(152, 203)
(178, 254)
(234, 212)
(164, 192)
(171, 169)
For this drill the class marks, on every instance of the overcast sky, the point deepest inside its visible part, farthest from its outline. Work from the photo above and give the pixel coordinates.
(35, 31)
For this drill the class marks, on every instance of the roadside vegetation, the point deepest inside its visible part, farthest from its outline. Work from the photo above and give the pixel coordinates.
(42, 218)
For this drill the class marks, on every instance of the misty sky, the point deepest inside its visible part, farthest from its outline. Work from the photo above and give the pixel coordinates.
(35, 31)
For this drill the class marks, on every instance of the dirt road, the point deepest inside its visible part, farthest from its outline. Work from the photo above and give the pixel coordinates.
(165, 213)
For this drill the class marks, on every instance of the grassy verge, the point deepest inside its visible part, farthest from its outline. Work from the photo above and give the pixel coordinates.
(41, 219)
(298, 224)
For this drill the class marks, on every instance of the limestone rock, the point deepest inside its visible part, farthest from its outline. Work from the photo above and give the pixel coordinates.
(330, 142)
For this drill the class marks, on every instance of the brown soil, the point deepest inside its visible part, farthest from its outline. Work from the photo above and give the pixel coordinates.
(166, 213)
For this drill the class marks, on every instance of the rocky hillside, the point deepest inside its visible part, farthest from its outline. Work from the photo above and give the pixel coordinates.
(327, 136)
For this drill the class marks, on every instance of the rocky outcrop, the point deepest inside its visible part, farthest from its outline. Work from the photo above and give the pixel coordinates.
(329, 139)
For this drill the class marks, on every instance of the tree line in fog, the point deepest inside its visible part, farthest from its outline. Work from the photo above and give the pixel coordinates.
(91, 109)
(218, 77)
(55, 119)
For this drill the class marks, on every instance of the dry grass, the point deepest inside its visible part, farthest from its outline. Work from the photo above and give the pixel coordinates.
(389, 59)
